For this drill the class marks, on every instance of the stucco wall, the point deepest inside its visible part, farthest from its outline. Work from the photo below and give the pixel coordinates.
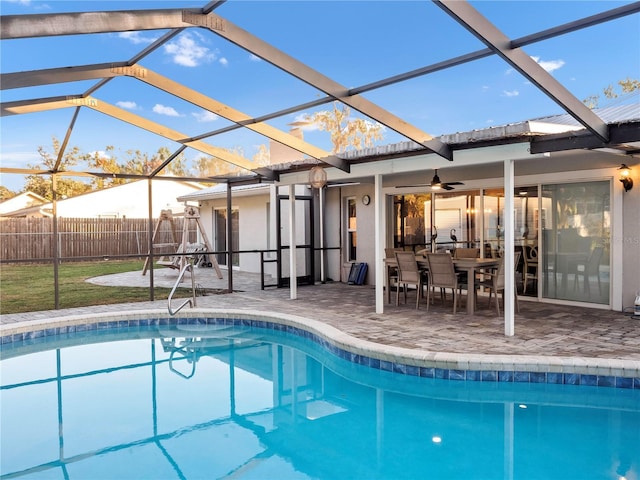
(252, 225)
(365, 252)
(332, 232)
(631, 243)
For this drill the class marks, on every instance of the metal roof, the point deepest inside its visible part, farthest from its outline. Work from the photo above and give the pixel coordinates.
(552, 124)
(220, 191)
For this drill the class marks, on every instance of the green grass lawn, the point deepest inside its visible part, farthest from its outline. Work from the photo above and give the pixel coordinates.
(30, 287)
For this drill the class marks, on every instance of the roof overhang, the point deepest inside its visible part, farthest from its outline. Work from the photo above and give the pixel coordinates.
(624, 138)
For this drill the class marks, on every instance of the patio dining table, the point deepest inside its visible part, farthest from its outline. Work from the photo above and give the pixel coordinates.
(469, 265)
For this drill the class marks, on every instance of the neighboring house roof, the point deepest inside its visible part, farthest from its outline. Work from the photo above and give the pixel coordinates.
(44, 210)
(21, 201)
(126, 200)
(220, 191)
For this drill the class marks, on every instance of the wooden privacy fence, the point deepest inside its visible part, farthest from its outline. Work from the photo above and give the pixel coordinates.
(32, 238)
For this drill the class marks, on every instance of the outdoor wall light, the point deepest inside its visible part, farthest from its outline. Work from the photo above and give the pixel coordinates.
(625, 177)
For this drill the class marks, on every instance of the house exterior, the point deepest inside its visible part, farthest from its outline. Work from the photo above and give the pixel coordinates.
(21, 201)
(568, 208)
(253, 213)
(129, 200)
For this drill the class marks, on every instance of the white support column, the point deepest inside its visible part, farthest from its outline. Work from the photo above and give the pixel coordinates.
(379, 234)
(509, 246)
(293, 275)
(321, 201)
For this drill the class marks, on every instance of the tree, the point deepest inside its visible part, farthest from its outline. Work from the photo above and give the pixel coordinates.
(208, 166)
(346, 132)
(624, 87)
(137, 163)
(143, 164)
(66, 187)
(107, 162)
(5, 193)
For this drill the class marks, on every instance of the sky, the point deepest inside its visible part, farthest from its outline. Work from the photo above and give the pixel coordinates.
(352, 42)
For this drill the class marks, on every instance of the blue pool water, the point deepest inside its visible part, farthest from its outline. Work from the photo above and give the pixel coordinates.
(205, 402)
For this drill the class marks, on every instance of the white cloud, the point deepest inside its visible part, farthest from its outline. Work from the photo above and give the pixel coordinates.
(205, 116)
(127, 105)
(224, 61)
(510, 93)
(302, 123)
(21, 2)
(99, 154)
(549, 65)
(136, 37)
(186, 51)
(162, 110)
(254, 58)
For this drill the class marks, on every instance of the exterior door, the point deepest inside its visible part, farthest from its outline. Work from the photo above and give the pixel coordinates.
(305, 245)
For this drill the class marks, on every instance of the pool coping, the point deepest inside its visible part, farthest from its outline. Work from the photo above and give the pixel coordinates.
(617, 373)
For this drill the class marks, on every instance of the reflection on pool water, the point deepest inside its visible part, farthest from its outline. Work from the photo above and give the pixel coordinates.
(192, 402)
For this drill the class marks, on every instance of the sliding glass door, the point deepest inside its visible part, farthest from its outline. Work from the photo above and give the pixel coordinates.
(525, 234)
(563, 232)
(576, 233)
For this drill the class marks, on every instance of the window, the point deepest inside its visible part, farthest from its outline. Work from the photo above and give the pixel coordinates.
(412, 221)
(352, 234)
(457, 220)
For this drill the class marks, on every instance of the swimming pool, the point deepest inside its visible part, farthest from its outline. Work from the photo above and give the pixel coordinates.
(251, 398)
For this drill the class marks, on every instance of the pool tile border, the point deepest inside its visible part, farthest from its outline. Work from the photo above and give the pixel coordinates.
(599, 372)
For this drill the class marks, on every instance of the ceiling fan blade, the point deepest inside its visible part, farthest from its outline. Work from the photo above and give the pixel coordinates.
(414, 185)
(455, 183)
(445, 186)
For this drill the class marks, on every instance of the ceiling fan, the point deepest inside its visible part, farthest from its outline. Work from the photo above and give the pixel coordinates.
(436, 183)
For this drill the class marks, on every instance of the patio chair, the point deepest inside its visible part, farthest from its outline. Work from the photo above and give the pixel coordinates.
(495, 282)
(408, 274)
(392, 272)
(530, 269)
(589, 268)
(442, 274)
